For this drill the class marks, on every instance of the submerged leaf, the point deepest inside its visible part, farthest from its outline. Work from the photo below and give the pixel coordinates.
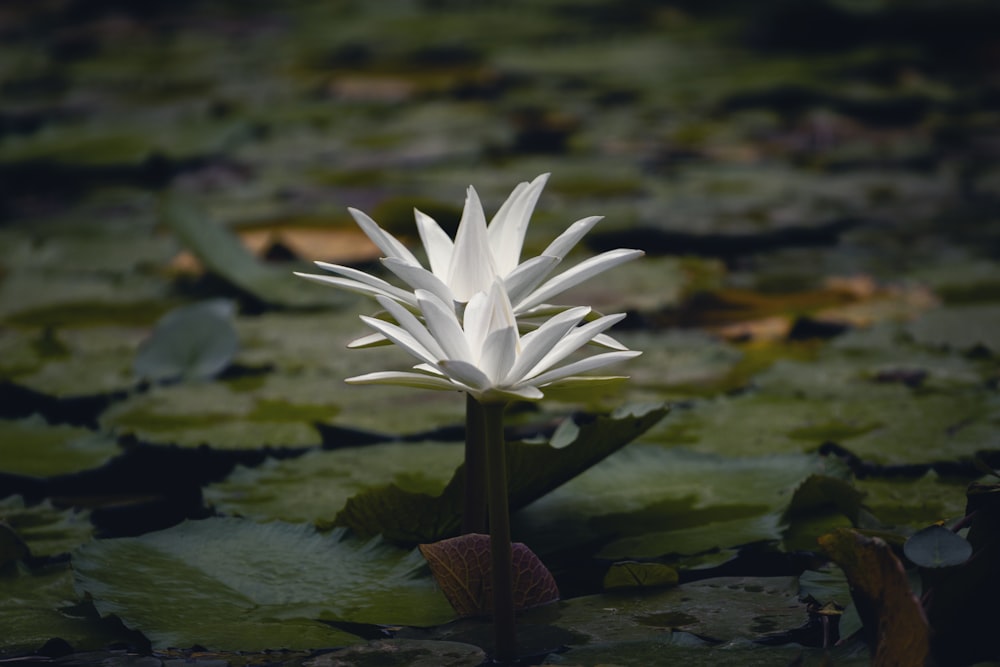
(193, 342)
(461, 565)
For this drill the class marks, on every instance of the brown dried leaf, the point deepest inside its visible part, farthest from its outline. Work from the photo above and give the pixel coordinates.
(894, 620)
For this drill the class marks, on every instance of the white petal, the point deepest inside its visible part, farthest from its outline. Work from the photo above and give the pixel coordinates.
(582, 366)
(538, 343)
(579, 273)
(413, 326)
(385, 241)
(358, 287)
(509, 225)
(465, 373)
(444, 326)
(371, 340)
(527, 276)
(476, 323)
(437, 244)
(499, 354)
(402, 338)
(418, 277)
(607, 341)
(572, 342)
(368, 279)
(472, 268)
(569, 238)
(406, 379)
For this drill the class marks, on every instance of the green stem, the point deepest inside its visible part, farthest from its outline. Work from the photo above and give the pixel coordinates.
(474, 508)
(501, 564)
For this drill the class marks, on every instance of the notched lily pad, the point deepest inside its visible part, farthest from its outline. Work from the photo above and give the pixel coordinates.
(46, 531)
(228, 584)
(533, 469)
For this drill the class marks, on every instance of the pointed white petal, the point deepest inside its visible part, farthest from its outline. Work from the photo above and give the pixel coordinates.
(370, 287)
(583, 271)
(573, 341)
(525, 393)
(472, 268)
(368, 279)
(413, 326)
(538, 343)
(509, 225)
(527, 276)
(569, 238)
(406, 379)
(385, 241)
(607, 341)
(476, 323)
(444, 326)
(371, 340)
(466, 373)
(418, 277)
(581, 366)
(402, 338)
(437, 243)
(499, 354)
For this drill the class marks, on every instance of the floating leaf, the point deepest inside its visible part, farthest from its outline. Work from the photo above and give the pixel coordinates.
(235, 584)
(409, 652)
(194, 342)
(461, 565)
(41, 604)
(315, 486)
(533, 471)
(34, 447)
(633, 574)
(894, 621)
(936, 546)
(47, 531)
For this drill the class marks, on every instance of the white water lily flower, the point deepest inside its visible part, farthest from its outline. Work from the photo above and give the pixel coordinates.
(479, 255)
(485, 355)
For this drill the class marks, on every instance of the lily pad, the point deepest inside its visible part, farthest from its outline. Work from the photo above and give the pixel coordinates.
(40, 605)
(315, 486)
(239, 585)
(34, 447)
(647, 501)
(46, 531)
(533, 471)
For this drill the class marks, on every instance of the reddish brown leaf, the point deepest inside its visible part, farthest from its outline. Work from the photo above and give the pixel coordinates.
(461, 566)
(894, 620)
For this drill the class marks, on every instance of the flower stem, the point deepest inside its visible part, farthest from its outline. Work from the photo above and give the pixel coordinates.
(474, 507)
(501, 564)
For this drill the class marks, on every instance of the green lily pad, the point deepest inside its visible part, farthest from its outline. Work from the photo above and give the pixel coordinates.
(239, 585)
(911, 504)
(34, 447)
(720, 609)
(960, 327)
(211, 413)
(315, 486)
(39, 605)
(47, 531)
(533, 471)
(647, 501)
